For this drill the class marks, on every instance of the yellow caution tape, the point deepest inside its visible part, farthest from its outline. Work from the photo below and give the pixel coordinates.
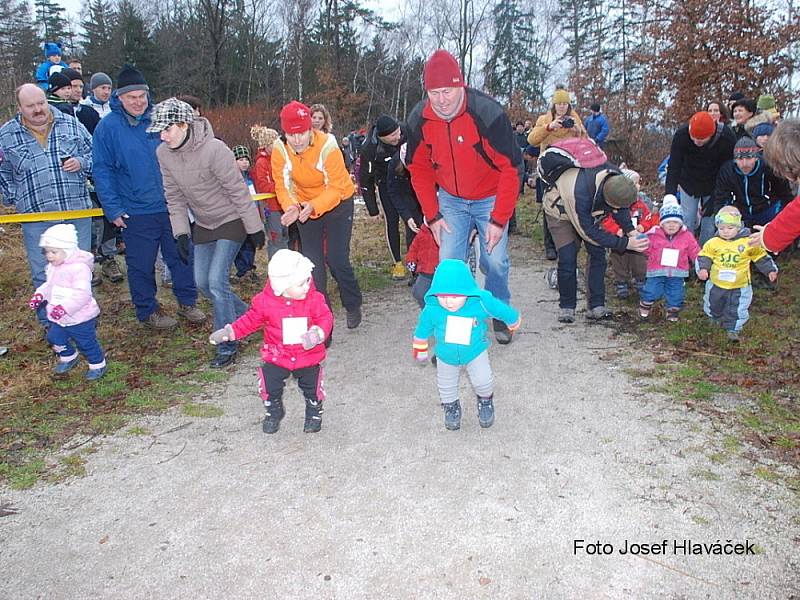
(68, 215)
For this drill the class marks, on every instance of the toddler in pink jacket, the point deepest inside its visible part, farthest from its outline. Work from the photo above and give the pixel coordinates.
(296, 322)
(71, 308)
(672, 252)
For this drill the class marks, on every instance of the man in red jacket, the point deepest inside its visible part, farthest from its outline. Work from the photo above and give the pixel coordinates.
(461, 140)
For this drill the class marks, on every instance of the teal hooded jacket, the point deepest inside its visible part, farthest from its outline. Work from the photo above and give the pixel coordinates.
(452, 277)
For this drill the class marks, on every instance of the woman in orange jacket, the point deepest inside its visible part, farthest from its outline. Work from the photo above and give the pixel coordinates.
(315, 191)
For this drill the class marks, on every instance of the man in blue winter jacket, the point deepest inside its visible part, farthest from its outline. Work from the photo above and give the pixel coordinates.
(597, 125)
(127, 178)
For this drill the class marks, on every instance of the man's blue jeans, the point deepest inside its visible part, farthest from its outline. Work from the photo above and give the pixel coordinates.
(212, 266)
(462, 216)
(690, 205)
(31, 232)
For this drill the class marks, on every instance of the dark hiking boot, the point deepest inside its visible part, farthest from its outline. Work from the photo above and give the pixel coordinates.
(501, 332)
(313, 422)
(272, 420)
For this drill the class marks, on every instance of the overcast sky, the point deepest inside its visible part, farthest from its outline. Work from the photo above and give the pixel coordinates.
(387, 8)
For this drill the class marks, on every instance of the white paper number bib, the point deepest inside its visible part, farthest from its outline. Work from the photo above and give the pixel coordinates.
(293, 328)
(669, 257)
(458, 330)
(728, 275)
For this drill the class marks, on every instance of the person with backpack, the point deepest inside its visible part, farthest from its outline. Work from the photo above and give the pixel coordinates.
(582, 188)
(698, 151)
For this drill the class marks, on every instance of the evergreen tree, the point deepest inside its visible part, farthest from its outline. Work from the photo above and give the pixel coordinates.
(50, 20)
(132, 37)
(100, 53)
(21, 50)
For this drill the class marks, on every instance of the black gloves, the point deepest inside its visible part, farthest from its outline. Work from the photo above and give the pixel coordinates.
(258, 239)
(182, 242)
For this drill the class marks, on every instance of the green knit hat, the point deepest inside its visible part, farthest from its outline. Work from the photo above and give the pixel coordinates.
(765, 102)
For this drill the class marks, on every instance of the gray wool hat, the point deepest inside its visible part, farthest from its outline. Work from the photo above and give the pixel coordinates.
(99, 79)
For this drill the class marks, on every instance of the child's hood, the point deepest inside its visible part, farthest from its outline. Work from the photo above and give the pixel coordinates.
(743, 233)
(452, 277)
(80, 257)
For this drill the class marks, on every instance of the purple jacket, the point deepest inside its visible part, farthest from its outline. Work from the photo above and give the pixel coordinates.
(70, 285)
(683, 242)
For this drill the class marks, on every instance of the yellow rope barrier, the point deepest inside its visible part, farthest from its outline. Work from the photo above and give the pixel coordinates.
(68, 215)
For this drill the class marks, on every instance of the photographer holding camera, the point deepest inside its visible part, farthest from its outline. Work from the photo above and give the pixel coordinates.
(558, 123)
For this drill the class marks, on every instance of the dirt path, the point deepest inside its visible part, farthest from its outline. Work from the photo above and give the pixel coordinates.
(385, 503)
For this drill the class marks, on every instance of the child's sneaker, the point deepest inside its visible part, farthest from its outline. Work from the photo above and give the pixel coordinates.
(452, 415)
(94, 374)
(313, 422)
(733, 336)
(272, 421)
(672, 315)
(64, 367)
(644, 309)
(486, 411)
(622, 290)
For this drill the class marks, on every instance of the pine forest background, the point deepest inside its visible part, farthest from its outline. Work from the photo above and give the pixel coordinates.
(651, 63)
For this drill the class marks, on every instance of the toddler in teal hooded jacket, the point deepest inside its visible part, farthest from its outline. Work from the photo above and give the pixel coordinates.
(456, 313)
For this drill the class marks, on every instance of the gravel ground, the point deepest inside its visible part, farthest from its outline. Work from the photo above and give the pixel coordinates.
(384, 503)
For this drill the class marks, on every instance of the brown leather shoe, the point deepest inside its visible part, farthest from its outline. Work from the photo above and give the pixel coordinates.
(191, 313)
(159, 320)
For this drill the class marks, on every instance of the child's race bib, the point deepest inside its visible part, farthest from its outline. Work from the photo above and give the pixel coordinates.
(669, 257)
(728, 275)
(293, 328)
(59, 295)
(635, 221)
(458, 330)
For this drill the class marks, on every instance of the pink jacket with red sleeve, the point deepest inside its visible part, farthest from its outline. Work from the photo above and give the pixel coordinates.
(267, 312)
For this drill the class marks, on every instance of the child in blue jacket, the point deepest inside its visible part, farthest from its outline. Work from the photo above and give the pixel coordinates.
(52, 64)
(456, 313)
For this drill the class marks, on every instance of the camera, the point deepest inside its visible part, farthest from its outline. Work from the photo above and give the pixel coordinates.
(568, 122)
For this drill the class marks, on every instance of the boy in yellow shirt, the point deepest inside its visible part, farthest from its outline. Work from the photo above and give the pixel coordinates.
(724, 264)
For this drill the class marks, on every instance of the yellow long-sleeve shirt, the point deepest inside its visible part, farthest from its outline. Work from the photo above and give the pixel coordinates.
(730, 261)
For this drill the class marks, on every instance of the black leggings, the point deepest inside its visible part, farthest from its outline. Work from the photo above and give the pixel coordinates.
(327, 240)
(391, 220)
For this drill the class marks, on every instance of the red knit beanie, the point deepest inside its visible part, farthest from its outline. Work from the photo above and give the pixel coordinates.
(295, 117)
(702, 125)
(442, 71)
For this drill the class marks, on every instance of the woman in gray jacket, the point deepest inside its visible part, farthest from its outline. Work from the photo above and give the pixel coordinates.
(200, 174)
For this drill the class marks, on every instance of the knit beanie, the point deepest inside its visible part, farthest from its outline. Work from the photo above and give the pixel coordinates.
(728, 215)
(263, 136)
(99, 79)
(561, 96)
(765, 102)
(385, 125)
(241, 152)
(763, 129)
(735, 97)
(619, 191)
(442, 71)
(56, 81)
(63, 236)
(52, 49)
(595, 107)
(671, 211)
(287, 268)
(72, 74)
(295, 117)
(702, 125)
(746, 148)
(130, 80)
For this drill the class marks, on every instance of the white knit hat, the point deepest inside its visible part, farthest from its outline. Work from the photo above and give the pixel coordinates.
(63, 236)
(288, 268)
